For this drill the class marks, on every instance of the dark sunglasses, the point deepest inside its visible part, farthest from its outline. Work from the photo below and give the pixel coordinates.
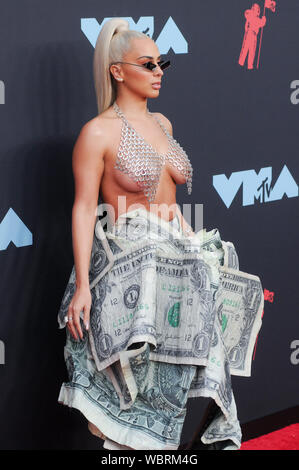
(163, 64)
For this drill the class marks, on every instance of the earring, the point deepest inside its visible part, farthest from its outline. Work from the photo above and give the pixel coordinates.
(120, 79)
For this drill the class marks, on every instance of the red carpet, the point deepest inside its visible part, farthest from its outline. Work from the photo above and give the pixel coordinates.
(283, 439)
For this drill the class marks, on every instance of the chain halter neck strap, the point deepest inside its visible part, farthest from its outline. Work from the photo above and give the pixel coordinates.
(143, 163)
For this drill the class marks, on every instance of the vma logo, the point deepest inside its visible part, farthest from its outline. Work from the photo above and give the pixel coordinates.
(255, 186)
(169, 37)
(12, 229)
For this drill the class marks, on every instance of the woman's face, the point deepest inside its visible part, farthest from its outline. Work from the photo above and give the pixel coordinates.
(140, 80)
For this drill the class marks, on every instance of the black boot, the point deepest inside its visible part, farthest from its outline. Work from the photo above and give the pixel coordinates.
(196, 444)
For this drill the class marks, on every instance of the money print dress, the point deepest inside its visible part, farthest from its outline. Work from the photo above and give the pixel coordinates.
(172, 318)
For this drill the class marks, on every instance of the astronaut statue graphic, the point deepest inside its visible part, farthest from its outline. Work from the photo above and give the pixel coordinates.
(252, 26)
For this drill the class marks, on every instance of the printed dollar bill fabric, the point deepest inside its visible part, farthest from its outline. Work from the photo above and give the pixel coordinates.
(194, 315)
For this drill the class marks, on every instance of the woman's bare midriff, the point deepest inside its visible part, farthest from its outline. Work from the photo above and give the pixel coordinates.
(115, 183)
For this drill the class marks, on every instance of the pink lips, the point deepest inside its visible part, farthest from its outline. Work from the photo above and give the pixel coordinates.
(156, 85)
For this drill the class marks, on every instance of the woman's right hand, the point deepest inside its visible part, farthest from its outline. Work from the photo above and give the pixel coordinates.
(80, 301)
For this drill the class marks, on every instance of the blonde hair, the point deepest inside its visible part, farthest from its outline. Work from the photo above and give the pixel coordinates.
(113, 42)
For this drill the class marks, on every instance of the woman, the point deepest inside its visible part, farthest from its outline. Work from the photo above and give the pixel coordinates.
(147, 325)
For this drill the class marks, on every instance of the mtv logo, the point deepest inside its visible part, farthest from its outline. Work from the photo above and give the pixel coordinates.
(12, 229)
(255, 186)
(169, 38)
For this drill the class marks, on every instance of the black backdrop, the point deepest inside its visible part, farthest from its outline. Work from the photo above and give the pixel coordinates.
(229, 119)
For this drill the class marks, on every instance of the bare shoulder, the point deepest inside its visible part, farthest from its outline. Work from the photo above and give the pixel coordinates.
(95, 134)
(165, 121)
(98, 126)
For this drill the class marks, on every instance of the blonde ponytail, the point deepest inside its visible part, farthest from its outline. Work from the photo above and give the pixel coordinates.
(112, 44)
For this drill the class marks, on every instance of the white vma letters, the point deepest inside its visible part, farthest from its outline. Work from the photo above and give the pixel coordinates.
(255, 186)
(169, 37)
(13, 229)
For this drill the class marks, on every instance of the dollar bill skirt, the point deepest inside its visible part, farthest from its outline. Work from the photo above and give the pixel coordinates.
(172, 318)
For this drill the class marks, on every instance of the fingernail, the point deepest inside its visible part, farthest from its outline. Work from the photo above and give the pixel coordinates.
(86, 326)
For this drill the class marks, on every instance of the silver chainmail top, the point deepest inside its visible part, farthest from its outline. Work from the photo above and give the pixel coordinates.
(143, 164)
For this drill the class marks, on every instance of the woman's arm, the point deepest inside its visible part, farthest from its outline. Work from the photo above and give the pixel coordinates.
(88, 167)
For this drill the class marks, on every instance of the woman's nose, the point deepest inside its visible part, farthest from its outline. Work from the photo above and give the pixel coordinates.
(158, 70)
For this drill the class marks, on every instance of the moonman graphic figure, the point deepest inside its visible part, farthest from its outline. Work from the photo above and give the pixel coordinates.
(252, 26)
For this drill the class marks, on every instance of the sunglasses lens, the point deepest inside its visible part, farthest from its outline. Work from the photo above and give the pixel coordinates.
(149, 65)
(163, 65)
